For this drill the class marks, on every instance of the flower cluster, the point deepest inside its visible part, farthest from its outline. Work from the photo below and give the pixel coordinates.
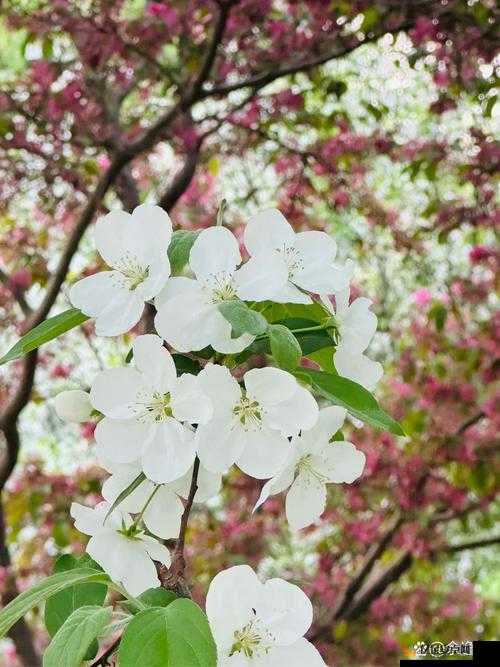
(157, 425)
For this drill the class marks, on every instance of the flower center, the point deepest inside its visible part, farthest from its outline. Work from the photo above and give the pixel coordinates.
(153, 408)
(305, 465)
(253, 640)
(248, 412)
(293, 260)
(132, 272)
(221, 287)
(132, 532)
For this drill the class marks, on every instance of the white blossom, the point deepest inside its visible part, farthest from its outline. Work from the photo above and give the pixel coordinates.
(314, 462)
(251, 427)
(159, 504)
(188, 316)
(259, 625)
(307, 258)
(73, 405)
(120, 547)
(145, 408)
(356, 325)
(135, 247)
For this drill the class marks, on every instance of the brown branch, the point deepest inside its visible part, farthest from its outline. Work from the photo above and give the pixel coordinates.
(362, 602)
(20, 632)
(474, 544)
(373, 554)
(181, 180)
(173, 577)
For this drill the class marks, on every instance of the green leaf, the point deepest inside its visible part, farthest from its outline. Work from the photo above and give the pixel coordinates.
(71, 642)
(184, 364)
(179, 249)
(439, 314)
(168, 637)
(153, 597)
(285, 347)
(60, 606)
(489, 106)
(324, 357)
(352, 396)
(309, 341)
(242, 318)
(47, 330)
(126, 492)
(43, 590)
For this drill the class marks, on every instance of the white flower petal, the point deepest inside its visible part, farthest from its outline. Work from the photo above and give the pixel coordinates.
(299, 654)
(88, 520)
(218, 446)
(220, 338)
(231, 598)
(122, 440)
(357, 367)
(94, 293)
(340, 462)
(291, 294)
(150, 232)
(170, 453)
(317, 252)
(358, 325)
(296, 413)
(209, 484)
(163, 514)
(221, 387)
(215, 252)
(268, 229)
(305, 501)
(156, 550)
(73, 405)
(286, 610)
(117, 483)
(114, 391)
(188, 321)
(111, 235)
(155, 362)
(261, 277)
(175, 287)
(264, 452)
(126, 561)
(123, 313)
(189, 402)
(276, 485)
(330, 421)
(157, 278)
(270, 386)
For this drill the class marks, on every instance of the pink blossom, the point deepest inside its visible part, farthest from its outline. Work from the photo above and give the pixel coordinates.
(87, 430)
(479, 253)
(164, 12)
(423, 30)
(421, 296)
(21, 279)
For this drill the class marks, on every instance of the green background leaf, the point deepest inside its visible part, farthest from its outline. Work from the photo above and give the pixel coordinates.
(352, 396)
(60, 606)
(168, 637)
(71, 642)
(43, 590)
(47, 330)
(285, 347)
(242, 318)
(179, 249)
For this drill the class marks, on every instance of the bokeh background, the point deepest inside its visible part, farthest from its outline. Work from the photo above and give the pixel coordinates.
(372, 120)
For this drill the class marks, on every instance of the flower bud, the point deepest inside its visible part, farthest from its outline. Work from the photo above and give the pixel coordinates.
(73, 406)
